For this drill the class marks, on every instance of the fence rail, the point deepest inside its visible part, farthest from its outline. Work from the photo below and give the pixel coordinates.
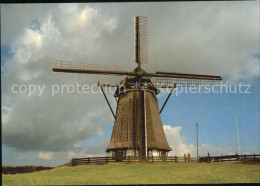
(129, 159)
(235, 157)
(154, 159)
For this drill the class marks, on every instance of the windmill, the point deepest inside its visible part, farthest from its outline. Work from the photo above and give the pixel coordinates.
(138, 129)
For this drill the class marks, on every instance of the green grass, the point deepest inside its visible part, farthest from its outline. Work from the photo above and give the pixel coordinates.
(140, 174)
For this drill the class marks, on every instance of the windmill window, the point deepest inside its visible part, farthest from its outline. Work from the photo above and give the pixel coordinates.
(150, 153)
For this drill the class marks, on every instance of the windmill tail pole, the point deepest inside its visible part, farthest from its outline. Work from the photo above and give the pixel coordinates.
(168, 98)
(106, 100)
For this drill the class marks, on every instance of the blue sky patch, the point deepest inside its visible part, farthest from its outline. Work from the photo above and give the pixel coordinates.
(6, 52)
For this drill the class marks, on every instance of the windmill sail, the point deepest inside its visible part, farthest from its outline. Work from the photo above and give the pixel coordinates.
(166, 82)
(184, 79)
(62, 66)
(141, 39)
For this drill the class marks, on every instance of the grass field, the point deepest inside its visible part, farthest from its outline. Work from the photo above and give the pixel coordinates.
(140, 174)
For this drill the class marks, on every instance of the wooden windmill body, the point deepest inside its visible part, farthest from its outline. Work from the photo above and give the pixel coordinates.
(138, 129)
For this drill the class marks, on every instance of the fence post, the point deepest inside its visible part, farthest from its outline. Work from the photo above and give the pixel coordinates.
(106, 160)
(209, 157)
(88, 160)
(152, 158)
(129, 160)
(72, 162)
(237, 156)
(254, 158)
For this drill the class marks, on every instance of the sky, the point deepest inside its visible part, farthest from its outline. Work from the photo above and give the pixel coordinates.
(42, 128)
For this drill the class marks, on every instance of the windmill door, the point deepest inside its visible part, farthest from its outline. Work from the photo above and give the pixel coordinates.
(163, 156)
(119, 155)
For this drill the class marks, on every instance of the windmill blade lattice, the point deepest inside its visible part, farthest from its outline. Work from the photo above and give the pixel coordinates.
(141, 39)
(164, 79)
(73, 65)
(69, 67)
(165, 82)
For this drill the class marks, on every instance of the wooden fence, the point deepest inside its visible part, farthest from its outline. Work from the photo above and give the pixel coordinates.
(163, 159)
(235, 157)
(129, 159)
(154, 159)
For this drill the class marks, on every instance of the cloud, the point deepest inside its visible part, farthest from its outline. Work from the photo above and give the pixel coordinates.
(176, 141)
(180, 147)
(220, 37)
(46, 155)
(77, 152)
(72, 154)
(83, 153)
(50, 123)
(213, 150)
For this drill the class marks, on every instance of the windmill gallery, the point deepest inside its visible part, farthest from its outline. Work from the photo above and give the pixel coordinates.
(138, 129)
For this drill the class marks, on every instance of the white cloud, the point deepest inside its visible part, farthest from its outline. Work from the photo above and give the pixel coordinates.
(214, 150)
(71, 155)
(176, 141)
(86, 14)
(46, 155)
(180, 147)
(81, 154)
